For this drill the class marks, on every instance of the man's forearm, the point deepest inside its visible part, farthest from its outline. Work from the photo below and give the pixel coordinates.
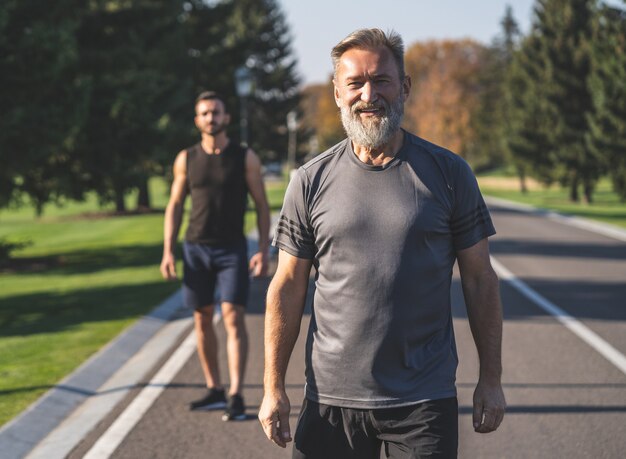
(171, 225)
(482, 298)
(285, 304)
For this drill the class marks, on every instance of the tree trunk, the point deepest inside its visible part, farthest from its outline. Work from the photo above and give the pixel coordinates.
(143, 199)
(38, 208)
(573, 191)
(588, 190)
(120, 205)
(522, 180)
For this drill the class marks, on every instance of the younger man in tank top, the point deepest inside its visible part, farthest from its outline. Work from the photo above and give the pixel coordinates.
(218, 175)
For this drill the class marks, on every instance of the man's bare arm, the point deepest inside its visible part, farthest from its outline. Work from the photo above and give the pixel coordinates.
(174, 216)
(285, 303)
(482, 298)
(254, 180)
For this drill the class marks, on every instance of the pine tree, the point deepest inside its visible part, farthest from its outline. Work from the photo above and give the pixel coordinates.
(551, 99)
(607, 136)
(230, 34)
(129, 54)
(490, 119)
(42, 98)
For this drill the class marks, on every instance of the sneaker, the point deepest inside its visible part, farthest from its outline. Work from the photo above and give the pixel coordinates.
(213, 400)
(236, 410)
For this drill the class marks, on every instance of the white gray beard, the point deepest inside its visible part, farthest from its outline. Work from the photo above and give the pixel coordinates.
(376, 132)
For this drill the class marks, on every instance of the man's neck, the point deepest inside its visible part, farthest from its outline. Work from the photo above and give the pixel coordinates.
(381, 155)
(214, 144)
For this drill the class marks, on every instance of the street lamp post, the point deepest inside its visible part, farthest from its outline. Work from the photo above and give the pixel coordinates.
(243, 86)
(292, 125)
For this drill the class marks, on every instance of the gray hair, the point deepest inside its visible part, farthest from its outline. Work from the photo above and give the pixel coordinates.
(371, 39)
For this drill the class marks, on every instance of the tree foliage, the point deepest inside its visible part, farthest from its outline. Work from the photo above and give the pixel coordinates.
(129, 54)
(607, 82)
(445, 92)
(322, 115)
(43, 99)
(99, 95)
(552, 100)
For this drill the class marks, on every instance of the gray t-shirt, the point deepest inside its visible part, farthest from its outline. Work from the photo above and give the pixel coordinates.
(383, 240)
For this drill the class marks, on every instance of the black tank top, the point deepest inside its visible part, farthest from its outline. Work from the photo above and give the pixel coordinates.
(217, 183)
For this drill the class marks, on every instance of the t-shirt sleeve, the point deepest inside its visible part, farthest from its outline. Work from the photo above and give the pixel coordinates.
(293, 232)
(470, 222)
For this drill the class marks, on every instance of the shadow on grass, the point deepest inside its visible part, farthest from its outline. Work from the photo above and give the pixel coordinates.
(89, 261)
(47, 312)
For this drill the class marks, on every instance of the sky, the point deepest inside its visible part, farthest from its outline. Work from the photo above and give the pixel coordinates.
(317, 25)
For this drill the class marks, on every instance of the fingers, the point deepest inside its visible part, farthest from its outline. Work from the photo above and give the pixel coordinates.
(258, 266)
(285, 430)
(488, 419)
(477, 415)
(168, 271)
(270, 427)
(277, 431)
(489, 407)
(274, 418)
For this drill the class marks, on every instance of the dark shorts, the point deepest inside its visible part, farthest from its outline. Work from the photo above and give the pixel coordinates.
(428, 429)
(210, 268)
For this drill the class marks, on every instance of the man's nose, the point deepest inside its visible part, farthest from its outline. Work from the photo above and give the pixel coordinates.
(368, 92)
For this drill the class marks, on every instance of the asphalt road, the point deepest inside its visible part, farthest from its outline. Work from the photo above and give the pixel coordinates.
(565, 399)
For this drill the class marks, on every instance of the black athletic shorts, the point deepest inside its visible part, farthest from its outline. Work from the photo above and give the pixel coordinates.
(428, 429)
(210, 268)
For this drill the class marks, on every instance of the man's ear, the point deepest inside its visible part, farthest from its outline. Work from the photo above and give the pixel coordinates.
(227, 118)
(406, 87)
(336, 92)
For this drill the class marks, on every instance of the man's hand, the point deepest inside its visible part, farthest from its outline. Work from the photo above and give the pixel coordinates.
(274, 417)
(258, 264)
(489, 406)
(168, 267)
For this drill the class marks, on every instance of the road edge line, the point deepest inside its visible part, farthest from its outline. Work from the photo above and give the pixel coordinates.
(109, 441)
(570, 322)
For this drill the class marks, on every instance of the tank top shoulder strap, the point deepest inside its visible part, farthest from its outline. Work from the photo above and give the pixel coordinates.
(192, 151)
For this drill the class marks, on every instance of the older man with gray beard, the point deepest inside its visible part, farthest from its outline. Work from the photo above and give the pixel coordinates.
(382, 216)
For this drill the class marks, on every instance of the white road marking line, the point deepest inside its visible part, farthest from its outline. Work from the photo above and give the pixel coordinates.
(115, 434)
(574, 325)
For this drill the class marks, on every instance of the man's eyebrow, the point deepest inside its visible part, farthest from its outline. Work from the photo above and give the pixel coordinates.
(360, 77)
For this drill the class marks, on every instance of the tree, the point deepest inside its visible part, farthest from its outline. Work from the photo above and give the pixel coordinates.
(130, 56)
(98, 95)
(43, 98)
(322, 115)
(607, 82)
(445, 92)
(493, 117)
(551, 102)
(254, 33)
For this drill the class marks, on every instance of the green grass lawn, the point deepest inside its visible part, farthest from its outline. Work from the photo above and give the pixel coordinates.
(82, 280)
(606, 206)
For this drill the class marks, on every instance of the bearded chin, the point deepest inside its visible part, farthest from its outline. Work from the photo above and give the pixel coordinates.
(376, 132)
(218, 129)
